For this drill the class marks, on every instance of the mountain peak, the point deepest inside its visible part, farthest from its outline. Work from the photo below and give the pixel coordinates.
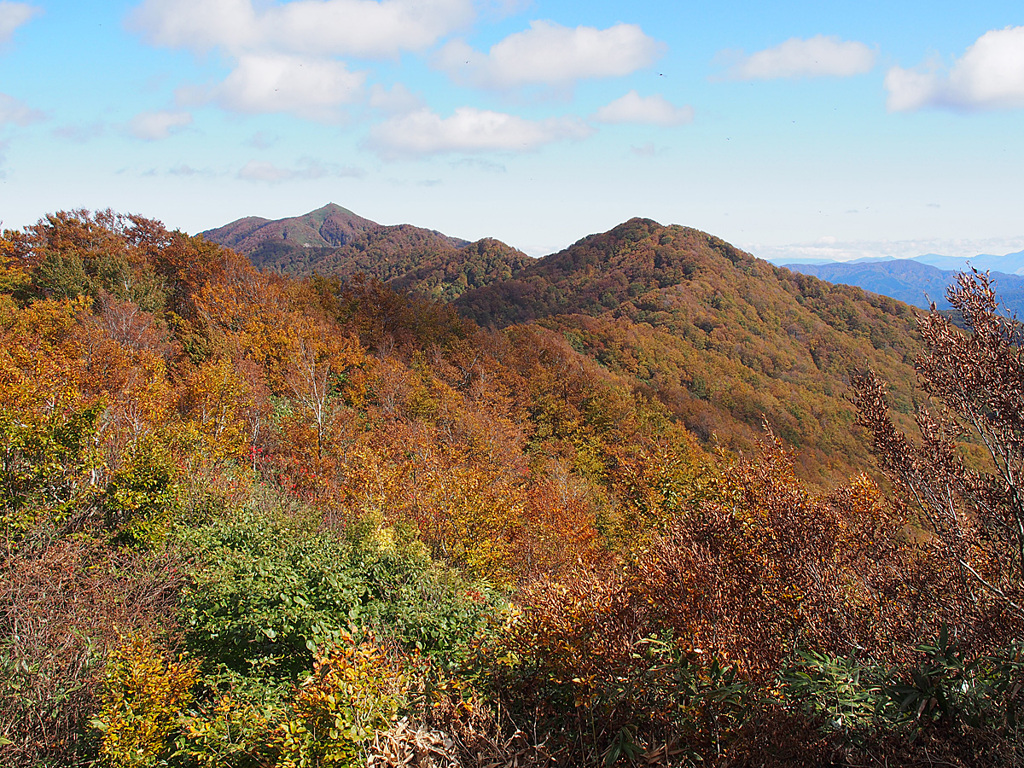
(331, 210)
(330, 225)
(332, 240)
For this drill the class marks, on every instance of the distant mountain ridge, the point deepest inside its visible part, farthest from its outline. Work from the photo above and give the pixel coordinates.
(1008, 263)
(726, 342)
(333, 240)
(912, 280)
(329, 226)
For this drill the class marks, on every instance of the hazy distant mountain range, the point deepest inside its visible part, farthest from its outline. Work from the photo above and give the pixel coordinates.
(921, 281)
(1009, 263)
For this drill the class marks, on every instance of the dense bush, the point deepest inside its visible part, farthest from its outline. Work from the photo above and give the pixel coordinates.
(267, 594)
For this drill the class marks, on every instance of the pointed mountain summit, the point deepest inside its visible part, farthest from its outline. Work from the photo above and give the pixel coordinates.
(335, 241)
(329, 226)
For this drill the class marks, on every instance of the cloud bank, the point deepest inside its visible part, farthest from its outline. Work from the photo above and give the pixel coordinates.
(360, 28)
(306, 169)
(295, 58)
(833, 249)
(551, 55)
(652, 110)
(468, 130)
(307, 87)
(990, 75)
(285, 56)
(14, 15)
(818, 56)
(154, 126)
(18, 112)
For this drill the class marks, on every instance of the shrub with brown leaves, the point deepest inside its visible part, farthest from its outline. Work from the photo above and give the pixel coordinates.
(60, 611)
(972, 521)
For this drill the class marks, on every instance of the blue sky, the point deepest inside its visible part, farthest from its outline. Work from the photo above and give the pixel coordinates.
(791, 129)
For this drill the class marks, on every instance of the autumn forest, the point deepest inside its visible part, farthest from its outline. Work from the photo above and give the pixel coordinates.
(390, 498)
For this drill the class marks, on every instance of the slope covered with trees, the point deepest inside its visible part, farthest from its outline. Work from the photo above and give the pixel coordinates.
(334, 241)
(329, 226)
(250, 520)
(724, 340)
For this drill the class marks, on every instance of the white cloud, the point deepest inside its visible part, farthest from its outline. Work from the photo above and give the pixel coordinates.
(990, 75)
(397, 100)
(196, 24)
(550, 54)
(834, 249)
(362, 28)
(80, 134)
(634, 108)
(285, 55)
(312, 88)
(153, 126)
(307, 168)
(14, 15)
(18, 112)
(478, 164)
(910, 89)
(262, 140)
(502, 8)
(184, 169)
(818, 56)
(648, 150)
(468, 130)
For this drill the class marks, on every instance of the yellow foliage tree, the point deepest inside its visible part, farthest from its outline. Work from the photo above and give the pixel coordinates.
(143, 694)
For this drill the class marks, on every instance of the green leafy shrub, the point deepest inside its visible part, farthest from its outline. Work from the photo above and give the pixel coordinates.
(268, 594)
(44, 465)
(139, 501)
(947, 698)
(849, 693)
(232, 721)
(948, 685)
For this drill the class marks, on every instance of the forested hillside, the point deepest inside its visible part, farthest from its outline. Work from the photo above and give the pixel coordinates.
(254, 520)
(724, 340)
(334, 241)
(329, 226)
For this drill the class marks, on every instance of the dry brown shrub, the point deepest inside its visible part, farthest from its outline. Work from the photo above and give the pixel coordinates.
(60, 612)
(971, 521)
(771, 565)
(478, 736)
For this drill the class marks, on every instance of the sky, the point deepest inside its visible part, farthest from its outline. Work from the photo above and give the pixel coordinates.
(791, 129)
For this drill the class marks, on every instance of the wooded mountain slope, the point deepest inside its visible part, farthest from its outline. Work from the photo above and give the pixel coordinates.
(253, 520)
(331, 225)
(725, 340)
(334, 241)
